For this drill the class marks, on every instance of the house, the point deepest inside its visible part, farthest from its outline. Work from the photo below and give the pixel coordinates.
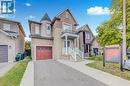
(55, 39)
(11, 39)
(88, 43)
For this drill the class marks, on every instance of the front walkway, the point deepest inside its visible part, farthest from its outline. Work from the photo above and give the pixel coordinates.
(104, 77)
(5, 67)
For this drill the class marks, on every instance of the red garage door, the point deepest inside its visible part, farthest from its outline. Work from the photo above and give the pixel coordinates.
(43, 52)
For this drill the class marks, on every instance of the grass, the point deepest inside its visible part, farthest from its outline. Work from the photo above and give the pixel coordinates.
(14, 76)
(112, 68)
(95, 58)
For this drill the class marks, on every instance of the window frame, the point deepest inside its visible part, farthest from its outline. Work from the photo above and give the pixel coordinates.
(68, 42)
(48, 31)
(37, 29)
(66, 24)
(88, 36)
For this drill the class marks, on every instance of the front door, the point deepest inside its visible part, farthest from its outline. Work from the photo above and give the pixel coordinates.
(68, 44)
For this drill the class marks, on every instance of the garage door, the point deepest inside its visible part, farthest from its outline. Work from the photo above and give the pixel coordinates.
(43, 52)
(3, 53)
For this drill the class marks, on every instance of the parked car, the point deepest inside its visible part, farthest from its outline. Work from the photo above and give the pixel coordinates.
(19, 56)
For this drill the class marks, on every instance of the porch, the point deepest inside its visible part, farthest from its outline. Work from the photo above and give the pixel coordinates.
(70, 46)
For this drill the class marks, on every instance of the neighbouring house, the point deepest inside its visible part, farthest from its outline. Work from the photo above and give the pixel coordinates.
(88, 43)
(11, 39)
(55, 39)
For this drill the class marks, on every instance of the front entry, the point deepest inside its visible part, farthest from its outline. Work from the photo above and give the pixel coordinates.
(87, 49)
(43, 52)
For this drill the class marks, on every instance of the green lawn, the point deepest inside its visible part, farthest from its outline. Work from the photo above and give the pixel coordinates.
(112, 68)
(14, 76)
(95, 58)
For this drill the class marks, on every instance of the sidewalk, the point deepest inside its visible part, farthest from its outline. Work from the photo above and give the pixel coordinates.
(28, 77)
(5, 67)
(104, 77)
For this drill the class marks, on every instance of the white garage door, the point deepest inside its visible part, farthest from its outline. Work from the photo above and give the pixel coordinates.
(3, 53)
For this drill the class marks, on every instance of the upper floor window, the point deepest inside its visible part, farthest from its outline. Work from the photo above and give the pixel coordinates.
(88, 36)
(37, 29)
(6, 27)
(67, 27)
(48, 30)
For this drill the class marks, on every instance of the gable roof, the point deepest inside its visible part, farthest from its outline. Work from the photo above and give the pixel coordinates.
(45, 17)
(18, 23)
(85, 28)
(31, 21)
(57, 16)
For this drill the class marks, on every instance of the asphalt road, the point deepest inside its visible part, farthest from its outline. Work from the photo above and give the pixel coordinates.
(53, 73)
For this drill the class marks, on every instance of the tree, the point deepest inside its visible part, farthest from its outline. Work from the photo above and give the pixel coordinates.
(108, 35)
(111, 30)
(28, 48)
(27, 45)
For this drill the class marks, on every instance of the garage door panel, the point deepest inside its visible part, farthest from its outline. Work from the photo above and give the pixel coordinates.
(3, 53)
(43, 52)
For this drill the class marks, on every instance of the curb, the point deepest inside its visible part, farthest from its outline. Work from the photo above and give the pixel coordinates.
(28, 77)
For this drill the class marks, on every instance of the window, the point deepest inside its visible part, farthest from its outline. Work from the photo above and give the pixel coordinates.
(68, 43)
(37, 29)
(87, 36)
(67, 27)
(48, 30)
(6, 27)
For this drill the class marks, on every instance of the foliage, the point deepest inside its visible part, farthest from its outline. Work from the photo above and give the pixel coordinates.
(112, 68)
(108, 31)
(14, 76)
(28, 48)
(27, 45)
(96, 58)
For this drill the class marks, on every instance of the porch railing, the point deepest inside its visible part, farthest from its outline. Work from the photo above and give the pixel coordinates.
(75, 53)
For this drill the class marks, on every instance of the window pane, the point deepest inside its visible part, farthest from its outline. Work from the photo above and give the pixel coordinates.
(87, 36)
(66, 27)
(48, 30)
(68, 43)
(37, 31)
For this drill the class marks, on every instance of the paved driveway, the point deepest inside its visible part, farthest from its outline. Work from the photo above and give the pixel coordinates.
(5, 67)
(53, 73)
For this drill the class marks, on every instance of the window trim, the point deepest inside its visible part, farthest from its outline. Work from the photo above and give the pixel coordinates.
(88, 36)
(37, 31)
(64, 43)
(48, 25)
(64, 23)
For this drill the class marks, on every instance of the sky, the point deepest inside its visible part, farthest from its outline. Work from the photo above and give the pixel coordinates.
(91, 12)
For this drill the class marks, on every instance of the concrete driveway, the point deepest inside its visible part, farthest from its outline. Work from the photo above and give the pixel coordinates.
(5, 67)
(53, 73)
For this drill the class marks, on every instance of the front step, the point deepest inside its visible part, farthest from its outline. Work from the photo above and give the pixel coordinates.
(65, 57)
(69, 57)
